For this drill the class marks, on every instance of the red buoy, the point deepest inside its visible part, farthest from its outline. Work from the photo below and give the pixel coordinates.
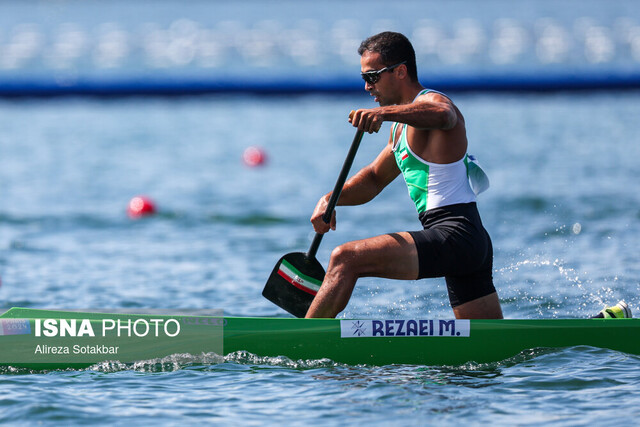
(254, 156)
(140, 206)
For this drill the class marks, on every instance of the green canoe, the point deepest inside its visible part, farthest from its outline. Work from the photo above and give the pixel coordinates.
(45, 339)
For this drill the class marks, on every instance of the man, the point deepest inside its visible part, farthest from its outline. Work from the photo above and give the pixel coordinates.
(428, 145)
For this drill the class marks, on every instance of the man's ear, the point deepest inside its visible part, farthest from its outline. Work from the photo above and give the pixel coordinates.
(402, 71)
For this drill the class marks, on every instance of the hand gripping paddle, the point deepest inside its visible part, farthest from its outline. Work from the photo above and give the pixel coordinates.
(297, 276)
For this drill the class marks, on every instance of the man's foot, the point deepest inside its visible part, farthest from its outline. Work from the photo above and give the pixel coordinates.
(619, 311)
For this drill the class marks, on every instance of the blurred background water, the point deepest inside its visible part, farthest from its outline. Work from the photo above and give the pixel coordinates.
(133, 47)
(563, 209)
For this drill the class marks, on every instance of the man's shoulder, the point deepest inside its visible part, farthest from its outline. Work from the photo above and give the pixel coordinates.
(433, 95)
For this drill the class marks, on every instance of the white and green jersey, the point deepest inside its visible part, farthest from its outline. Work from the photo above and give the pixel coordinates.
(433, 185)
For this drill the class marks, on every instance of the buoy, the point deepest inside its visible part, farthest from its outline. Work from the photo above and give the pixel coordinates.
(141, 206)
(254, 156)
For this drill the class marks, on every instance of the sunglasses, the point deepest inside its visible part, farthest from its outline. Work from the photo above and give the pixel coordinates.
(372, 77)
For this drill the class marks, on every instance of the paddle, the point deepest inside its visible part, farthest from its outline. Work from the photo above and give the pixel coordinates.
(297, 276)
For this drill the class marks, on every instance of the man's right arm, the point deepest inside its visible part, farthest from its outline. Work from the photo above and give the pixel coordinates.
(360, 188)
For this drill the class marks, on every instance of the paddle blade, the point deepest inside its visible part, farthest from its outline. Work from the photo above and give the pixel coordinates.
(294, 282)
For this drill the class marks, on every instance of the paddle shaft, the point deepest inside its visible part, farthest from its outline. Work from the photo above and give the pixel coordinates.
(335, 195)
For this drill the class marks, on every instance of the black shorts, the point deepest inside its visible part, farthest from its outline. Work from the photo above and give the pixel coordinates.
(455, 245)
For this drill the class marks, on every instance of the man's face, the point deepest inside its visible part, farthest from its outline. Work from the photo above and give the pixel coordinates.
(384, 89)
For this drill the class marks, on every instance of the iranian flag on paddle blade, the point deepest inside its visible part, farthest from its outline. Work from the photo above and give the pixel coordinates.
(297, 279)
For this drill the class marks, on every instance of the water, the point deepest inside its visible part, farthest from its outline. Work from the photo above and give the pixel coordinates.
(563, 212)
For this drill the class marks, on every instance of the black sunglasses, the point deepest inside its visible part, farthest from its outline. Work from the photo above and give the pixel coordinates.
(372, 77)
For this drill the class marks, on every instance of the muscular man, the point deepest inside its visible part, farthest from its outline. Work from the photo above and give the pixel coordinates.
(428, 145)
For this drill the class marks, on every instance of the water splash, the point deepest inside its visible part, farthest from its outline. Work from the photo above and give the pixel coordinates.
(544, 287)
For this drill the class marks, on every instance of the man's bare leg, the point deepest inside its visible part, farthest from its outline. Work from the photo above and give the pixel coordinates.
(486, 307)
(392, 256)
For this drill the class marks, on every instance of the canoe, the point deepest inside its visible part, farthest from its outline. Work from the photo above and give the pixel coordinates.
(47, 339)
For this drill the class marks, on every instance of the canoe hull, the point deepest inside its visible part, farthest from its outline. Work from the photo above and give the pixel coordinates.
(44, 339)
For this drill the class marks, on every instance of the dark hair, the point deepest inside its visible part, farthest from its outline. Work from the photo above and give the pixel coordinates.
(393, 48)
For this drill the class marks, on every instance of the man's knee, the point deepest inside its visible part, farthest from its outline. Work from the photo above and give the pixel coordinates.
(344, 254)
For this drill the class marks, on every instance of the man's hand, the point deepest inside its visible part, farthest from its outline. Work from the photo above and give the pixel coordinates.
(369, 120)
(316, 219)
